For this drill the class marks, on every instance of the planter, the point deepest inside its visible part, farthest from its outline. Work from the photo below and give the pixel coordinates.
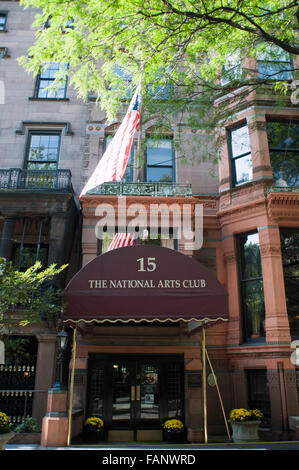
(4, 438)
(175, 436)
(195, 435)
(246, 431)
(93, 436)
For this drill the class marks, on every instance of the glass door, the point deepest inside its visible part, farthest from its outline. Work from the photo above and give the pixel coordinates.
(135, 392)
(148, 392)
(123, 393)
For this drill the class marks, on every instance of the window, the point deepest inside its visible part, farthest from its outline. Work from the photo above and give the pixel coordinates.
(160, 161)
(46, 78)
(232, 69)
(43, 151)
(274, 63)
(283, 140)
(240, 155)
(26, 255)
(258, 393)
(290, 261)
(128, 176)
(252, 292)
(3, 20)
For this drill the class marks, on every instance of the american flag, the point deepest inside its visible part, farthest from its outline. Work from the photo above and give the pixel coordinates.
(113, 163)
(122, 239)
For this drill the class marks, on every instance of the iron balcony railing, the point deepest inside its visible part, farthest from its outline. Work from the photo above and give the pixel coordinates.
(35, 180)
(285, 189)
(143, 189)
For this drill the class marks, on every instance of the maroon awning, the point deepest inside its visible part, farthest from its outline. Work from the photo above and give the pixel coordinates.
(144, 283)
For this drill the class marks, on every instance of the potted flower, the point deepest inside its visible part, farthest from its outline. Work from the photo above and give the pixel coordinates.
(6, 432)
(93, 430)
(245, 424)
(174, 431)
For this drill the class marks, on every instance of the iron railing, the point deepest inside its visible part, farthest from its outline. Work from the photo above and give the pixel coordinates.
(285, 189)
(35, 180)
(143, 189)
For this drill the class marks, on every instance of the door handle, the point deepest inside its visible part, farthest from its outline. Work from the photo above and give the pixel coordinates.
(138, 392)
(133, 393)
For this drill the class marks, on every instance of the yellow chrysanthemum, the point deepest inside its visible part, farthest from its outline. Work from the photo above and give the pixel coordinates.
(173, 424)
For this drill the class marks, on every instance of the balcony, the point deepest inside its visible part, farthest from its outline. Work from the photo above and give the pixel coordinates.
(35, 180)
(142, 189)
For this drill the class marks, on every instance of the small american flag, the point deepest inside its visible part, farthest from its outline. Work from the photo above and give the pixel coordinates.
(122, 239)
(113, 163)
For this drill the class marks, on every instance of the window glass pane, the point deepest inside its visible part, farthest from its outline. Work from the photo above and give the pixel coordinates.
(243, 169)
(290, 260)
(28, 256)
(2, 21)
(43, 148)
(258, 393)
(283, 139)
(252, 267)
(46, 78)
(160, 152)
(275, 71)
(252, 286)
(270, 52)
(255, 308)
(157, 174)
(240, 141)
(285, 166)
(283, 135)
(41, 166)
(232, 69)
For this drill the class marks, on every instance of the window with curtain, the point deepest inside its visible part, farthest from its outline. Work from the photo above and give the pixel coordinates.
(251, 286)
(240, 152)
(283, 141)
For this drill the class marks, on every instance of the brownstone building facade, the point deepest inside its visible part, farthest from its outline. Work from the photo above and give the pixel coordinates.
(136, 373)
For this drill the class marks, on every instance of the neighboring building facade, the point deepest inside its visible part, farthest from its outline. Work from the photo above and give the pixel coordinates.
(50, 146)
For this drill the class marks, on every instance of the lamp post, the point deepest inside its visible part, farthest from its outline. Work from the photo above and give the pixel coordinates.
(62, 341)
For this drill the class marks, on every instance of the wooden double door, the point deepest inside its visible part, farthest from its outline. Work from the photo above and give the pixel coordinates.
(135, 393)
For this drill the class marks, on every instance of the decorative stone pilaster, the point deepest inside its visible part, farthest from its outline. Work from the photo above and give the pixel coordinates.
(55, 423)
(234, 324)
(277, 323)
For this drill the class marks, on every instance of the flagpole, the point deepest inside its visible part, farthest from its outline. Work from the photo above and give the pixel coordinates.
(137, 168)
(219, 395)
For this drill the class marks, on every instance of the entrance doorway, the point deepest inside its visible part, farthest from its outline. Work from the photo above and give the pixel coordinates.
(135, 394)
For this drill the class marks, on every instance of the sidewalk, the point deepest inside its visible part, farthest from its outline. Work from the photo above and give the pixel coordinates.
(149, 446)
